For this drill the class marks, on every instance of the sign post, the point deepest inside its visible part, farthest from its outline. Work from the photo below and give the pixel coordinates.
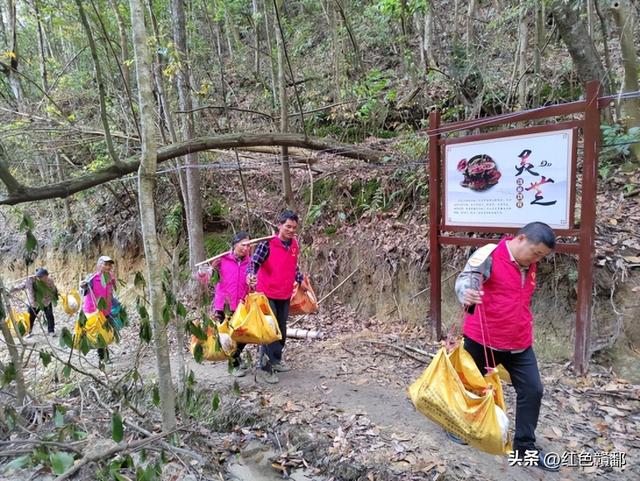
(499, 181)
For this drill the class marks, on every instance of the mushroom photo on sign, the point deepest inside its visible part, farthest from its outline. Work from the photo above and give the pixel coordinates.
(480, 172)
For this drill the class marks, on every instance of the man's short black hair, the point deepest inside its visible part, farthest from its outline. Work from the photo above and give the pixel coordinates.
(286, 215)
(539, 232)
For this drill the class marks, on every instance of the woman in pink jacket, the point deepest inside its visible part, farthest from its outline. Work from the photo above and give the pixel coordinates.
(98, 289)
(232, 288)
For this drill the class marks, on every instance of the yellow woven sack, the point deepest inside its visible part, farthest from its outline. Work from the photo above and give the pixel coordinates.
(453, 393)
(219, 344)
(71, 302)
(253, 322)
(22, 319)
(96, 325)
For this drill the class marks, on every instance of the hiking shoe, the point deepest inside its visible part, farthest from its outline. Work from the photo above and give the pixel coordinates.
(266, 376)
(281, 367)
(238, 371)
(52, 334)
(547, 461)
(455, 439)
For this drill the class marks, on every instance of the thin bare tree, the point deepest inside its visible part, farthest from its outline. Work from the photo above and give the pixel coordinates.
(146, 199)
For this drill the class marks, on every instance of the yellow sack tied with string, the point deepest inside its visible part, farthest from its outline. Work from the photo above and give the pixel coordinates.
(96, 325)
(253, 322)
(22, 320)
(71, 301)
(454, 394)
(218, 346)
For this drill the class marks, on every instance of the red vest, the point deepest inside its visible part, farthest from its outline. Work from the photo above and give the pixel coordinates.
(506, 305)
(278, 273)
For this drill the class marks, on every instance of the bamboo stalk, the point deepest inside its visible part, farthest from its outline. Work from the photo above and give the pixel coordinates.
(252, 241)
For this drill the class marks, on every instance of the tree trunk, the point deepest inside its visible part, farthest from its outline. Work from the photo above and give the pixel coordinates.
(146, 191)
(179, 327)
(539, 36)
(454, 26)
(272, 64)
(573, 32)
(284, 108)
(21, 389)
(69, 223)
(159, 78)
(607, 55)
(101, 90)
(3, 32)
(625, 21)
(331, 14)
(192, 195)
(41, 49)
(256, 38)
(428, 44)
(522, 59)
(352, 37)
(14, 79)
(124, 45)
(471, 14)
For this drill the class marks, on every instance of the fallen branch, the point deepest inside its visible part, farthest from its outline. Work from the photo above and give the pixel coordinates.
(143, 431)
(105, 454)
(18, 193)
(67, 446)
(402, 349)
(297, 333)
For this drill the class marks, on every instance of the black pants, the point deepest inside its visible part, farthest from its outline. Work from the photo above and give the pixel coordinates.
(48, 313)
(525, 377)
(271, 354)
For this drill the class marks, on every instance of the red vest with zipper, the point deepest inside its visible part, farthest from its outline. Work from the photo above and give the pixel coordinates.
(505, 316)
(278, 273)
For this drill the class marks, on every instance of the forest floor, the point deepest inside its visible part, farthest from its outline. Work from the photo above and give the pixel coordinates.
(342, 413)
(347, 395)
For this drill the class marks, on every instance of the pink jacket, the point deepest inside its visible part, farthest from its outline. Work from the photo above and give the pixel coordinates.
(232, 287)
(97, 289)
(504, 317)
(278, 273)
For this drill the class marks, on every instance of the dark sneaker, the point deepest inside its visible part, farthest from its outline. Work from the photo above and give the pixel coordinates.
(456, 439)
(549, 461)
(266, 376)
(281, 367)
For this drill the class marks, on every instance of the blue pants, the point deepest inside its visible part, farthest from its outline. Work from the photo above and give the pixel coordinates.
(525, 377)
(271, 354)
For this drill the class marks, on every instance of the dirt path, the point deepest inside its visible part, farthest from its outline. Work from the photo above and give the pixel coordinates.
(347, 394)
(353, 392)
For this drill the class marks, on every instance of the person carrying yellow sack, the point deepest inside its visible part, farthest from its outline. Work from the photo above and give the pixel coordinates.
(272, 271)
(41, 293)
(496, 287)
(231, 289)
(98, 289)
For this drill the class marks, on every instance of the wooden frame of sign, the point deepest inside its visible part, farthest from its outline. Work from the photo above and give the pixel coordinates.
(446, 230)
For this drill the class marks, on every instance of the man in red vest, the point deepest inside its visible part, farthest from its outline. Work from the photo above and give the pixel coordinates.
(496, 287)
(275, 263)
